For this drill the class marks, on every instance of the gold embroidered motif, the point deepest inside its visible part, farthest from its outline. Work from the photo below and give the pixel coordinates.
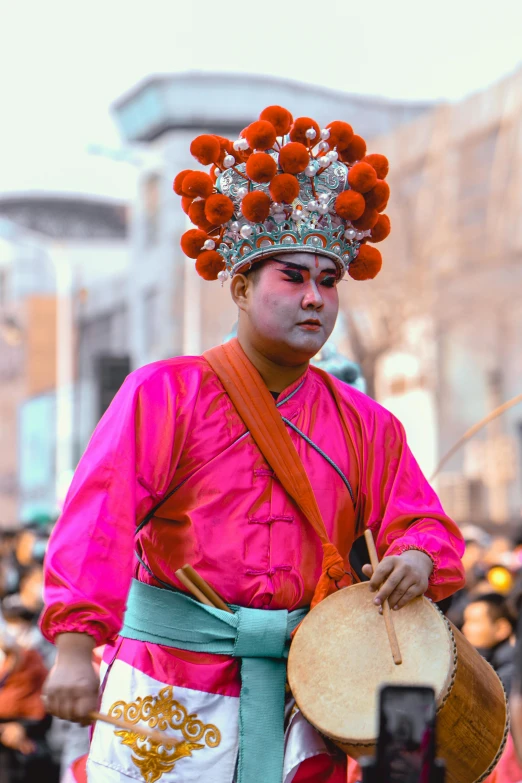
(162, 712)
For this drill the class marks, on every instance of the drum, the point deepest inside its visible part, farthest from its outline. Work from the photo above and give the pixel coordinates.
(341, 656)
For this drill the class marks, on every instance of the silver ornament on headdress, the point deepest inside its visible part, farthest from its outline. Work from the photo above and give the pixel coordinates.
(308, 225)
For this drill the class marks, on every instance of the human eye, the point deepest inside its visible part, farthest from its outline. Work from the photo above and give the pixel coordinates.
(293, 276)
(329, 282)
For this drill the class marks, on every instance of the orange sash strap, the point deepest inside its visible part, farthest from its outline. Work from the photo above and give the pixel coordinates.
(256, 407)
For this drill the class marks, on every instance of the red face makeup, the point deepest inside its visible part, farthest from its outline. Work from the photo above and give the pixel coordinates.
(293, 306)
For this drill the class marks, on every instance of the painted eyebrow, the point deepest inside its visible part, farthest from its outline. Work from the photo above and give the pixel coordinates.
(301, 268)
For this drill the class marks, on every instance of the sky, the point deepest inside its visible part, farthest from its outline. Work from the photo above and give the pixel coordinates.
(63, 63)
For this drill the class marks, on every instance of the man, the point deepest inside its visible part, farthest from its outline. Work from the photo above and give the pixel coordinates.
(489, 626)
(172, 458)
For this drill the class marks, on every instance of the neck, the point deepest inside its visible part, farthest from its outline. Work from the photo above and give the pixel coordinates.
(277, 377)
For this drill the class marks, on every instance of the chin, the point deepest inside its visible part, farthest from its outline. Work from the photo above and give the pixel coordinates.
(307, 347)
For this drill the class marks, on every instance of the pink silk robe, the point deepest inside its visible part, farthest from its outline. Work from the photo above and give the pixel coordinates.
(172, 426)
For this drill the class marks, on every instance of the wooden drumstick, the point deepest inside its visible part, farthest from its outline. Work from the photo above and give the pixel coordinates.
(386, 611)
(200, 589)
(206, 589)
(191, 587)
(154, 736)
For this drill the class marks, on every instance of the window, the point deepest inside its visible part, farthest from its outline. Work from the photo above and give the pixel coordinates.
(111, 371)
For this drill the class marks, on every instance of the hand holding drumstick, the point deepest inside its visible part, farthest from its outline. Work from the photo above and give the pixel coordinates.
(399, 578)
(402, 581)
(71, 689)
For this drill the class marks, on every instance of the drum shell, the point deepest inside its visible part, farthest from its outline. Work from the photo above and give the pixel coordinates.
(472, 721)
(472, 715)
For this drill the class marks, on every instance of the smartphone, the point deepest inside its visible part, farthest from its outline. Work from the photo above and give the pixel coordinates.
(406, 744)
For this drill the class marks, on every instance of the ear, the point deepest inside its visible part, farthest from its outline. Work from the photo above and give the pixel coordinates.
(503, 629)
(240, 287)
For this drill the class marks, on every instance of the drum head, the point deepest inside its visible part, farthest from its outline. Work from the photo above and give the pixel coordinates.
(341, 656)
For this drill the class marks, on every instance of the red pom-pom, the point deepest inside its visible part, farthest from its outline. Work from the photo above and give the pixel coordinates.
(261, 135)
(219, 209)
(197, 183)
(256, 206)
(379, 163)
(178, 181)
(196, 213)
(192, 242)
(261, 167)
(350, 205)
(367, 264)
(378, 196)
(362, 177)
(381, 229)
(341, 135)
(186, 201)
(294, 158)
(356, 150)
(367, 220)
(280, 118)
(224, 143)
(225, 148)
(284, 187)
(299, 128)
(209, 263)
(206, 149)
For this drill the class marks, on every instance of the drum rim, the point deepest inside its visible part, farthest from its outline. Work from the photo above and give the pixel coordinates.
(442, 696)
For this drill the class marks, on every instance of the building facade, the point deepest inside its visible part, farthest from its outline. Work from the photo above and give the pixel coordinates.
(87, 293)
(449, 294)
(27, 364)
(63, 257)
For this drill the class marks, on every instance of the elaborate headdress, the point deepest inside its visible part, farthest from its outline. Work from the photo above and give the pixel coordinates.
(284, 186)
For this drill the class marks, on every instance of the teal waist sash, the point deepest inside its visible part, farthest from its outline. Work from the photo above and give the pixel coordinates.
(259, 637)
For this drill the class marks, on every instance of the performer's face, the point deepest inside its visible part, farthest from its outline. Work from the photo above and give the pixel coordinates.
(289, 306)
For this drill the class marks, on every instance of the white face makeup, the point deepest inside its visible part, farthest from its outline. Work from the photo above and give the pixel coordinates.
(293, 305)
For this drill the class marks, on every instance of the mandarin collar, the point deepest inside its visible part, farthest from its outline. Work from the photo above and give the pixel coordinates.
(293, 397)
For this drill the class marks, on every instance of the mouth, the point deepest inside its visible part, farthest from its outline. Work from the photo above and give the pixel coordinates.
(311, 324)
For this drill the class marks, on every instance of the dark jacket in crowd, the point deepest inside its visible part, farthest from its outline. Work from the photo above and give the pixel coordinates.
(502, 658)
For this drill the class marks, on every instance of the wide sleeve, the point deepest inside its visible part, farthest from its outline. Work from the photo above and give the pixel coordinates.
(401, 508)
(121, 476)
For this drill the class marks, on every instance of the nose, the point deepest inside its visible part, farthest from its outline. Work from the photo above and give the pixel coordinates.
(312, 299)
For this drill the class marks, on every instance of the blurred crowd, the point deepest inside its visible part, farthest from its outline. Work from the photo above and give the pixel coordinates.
(35, 747)
(486, 610)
